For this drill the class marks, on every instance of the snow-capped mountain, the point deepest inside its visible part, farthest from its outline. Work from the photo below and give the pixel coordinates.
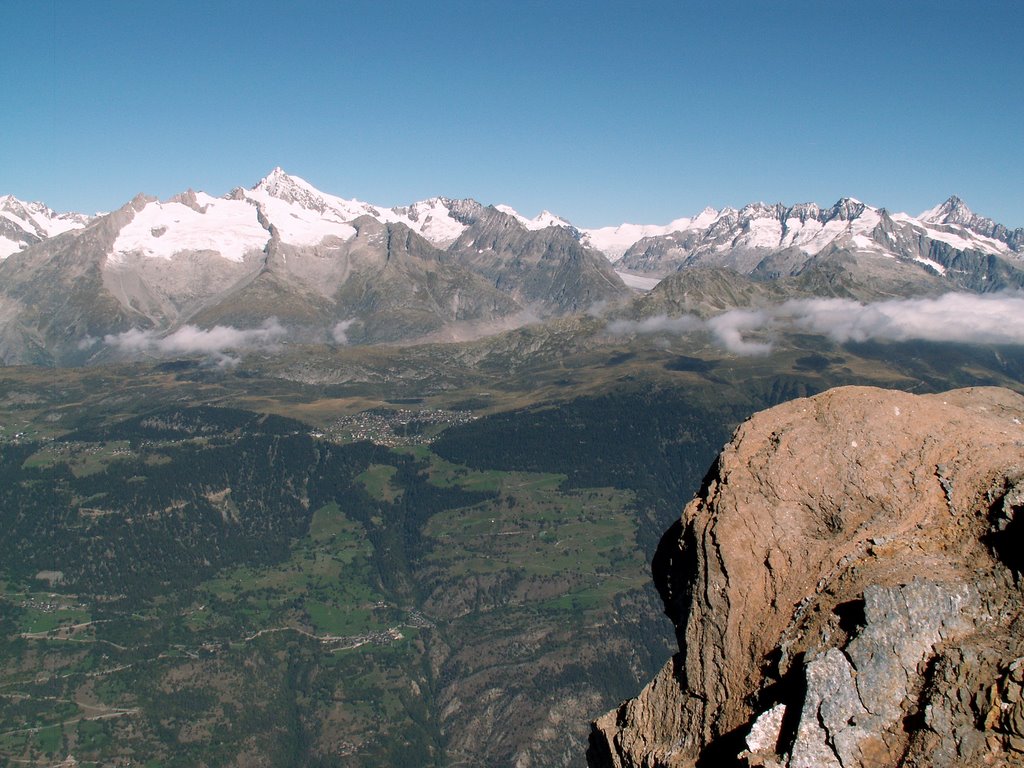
(347, 271)
(543, 220)
(615, 241)
(740, 238)
(954, 219)
(283, 249)
(774, 240)
(23, 224)
(321, 215)
(282, 206)
(302, 215)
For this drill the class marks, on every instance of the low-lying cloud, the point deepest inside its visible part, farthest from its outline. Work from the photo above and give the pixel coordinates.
(340, 331)
(727, 329)
(189, 339)
(953, 317)
(960, 317)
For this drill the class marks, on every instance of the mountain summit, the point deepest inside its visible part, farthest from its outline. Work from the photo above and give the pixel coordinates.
(284, 250)
(304, 214)
(952, 211)
(955, 214)
(291, 189)
(23, 224)
(769, 241)
(437, 268)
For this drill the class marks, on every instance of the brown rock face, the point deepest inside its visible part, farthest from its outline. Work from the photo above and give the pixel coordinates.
(846, 592)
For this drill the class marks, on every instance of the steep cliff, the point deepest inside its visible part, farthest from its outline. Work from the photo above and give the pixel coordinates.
(846, 591)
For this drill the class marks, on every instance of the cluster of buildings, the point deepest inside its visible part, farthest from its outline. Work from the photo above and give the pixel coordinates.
(396, 427)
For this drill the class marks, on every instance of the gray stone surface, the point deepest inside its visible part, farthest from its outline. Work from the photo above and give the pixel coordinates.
(855, 694)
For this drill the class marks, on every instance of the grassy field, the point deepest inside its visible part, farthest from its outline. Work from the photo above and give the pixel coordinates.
(324, 587)
(555, 543)
(377, 480)
(82, 459)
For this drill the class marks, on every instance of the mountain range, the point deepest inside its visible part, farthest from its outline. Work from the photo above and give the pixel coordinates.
(303, 544)
(76, 289)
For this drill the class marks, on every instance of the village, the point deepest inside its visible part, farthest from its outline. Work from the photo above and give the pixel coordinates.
(399, 427)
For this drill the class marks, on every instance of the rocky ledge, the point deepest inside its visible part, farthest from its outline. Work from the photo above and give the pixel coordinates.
(846, 590)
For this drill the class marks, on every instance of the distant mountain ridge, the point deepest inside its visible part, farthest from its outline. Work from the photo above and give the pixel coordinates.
(441, 220)
(23, 224)
(954, 212)
(332, 270)
(341, 270)
(744, 239)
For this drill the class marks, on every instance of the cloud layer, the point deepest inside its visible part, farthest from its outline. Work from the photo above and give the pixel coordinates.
(961, 317)
(189, 339)
(954, 317)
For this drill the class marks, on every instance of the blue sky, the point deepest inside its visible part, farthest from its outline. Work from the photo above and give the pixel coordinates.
(602, 112)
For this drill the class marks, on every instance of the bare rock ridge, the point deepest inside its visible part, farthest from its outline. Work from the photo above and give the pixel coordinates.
(846, 591)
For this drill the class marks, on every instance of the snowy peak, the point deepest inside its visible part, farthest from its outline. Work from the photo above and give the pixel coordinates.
(613, 242)
(438, 219)
(38, 218)
(702, 220)
(758, 225)
(755, 225)
(303, 215)
(23, 224)
(762, 211)
(543, 220)
(773, 239)
(291, 189)
(279, 205)
(547, 218)
(295, 211)
(802, 212)
(954, 222)
(953, 211)
(846, 209)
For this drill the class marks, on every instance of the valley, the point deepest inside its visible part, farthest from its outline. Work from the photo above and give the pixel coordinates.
(214, 566)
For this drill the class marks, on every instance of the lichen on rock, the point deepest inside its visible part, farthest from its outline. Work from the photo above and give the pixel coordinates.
(846, 593)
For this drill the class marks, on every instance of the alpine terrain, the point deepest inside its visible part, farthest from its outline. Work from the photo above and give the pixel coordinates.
(284, 256)
(288, 479)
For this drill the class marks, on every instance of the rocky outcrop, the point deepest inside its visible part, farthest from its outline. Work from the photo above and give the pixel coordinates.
(846, 592)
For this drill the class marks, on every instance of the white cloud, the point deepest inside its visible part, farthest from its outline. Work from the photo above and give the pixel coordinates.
(728, 329)
(958, 317)
(192, 340)
(953, 317)
(339, 332)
